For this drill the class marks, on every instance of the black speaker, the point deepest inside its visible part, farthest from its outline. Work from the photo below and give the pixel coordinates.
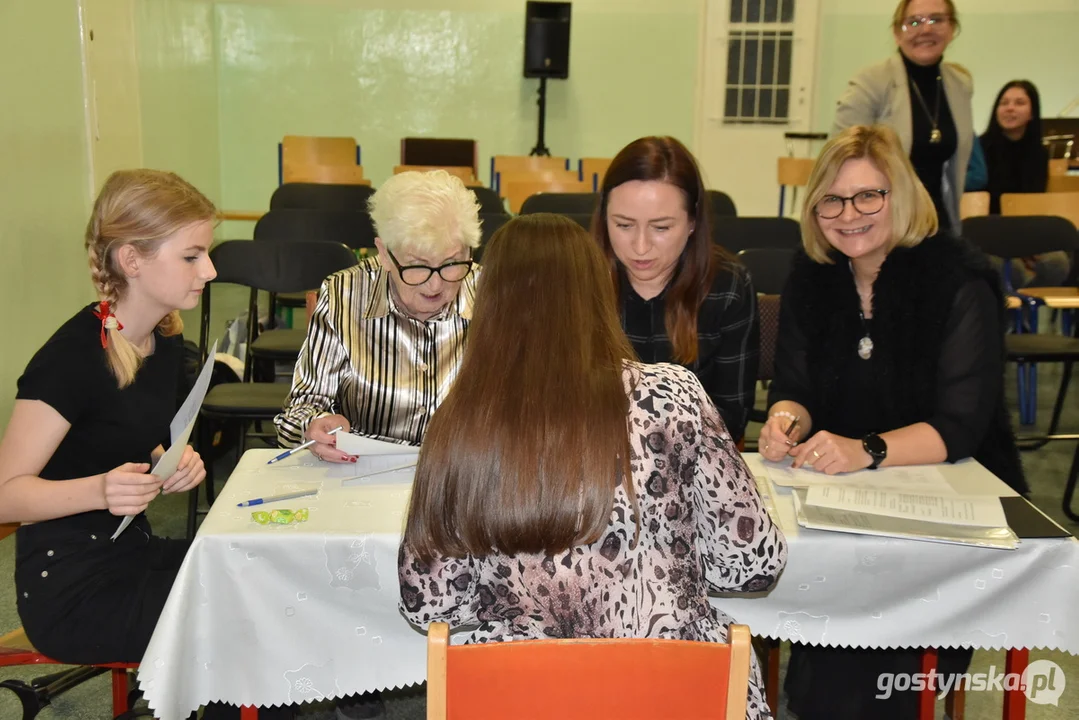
(547, 39)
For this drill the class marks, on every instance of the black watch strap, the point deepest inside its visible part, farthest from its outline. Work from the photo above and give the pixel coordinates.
(876, 448)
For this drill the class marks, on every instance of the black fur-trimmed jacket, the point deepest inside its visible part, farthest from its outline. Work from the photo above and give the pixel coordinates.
(938, 335)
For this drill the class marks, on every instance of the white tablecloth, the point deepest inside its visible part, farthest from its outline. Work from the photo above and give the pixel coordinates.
(265, 615)
(860, 591)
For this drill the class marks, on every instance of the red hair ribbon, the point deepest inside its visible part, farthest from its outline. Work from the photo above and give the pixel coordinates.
(108, 321)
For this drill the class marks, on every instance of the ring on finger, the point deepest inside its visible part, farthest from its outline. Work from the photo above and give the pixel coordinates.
(816, 455)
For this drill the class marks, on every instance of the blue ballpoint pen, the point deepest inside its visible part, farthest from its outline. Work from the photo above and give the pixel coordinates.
(306, 445)
(275, 498)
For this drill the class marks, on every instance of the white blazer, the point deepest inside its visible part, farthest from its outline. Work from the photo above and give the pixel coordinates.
(881, 94)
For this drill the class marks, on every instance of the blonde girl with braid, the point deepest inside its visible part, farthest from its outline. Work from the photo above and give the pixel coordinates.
(92, 414)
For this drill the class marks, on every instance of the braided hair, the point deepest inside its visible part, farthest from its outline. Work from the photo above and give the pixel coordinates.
(142, 208)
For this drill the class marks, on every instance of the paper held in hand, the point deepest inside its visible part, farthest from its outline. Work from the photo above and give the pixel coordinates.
(968, 520)
(917, 479)
(361, 445)
(179, 430)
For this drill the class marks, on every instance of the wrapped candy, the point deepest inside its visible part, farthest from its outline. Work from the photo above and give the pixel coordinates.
(279, 517)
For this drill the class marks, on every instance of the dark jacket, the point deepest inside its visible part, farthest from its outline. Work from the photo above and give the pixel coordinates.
(913, 299)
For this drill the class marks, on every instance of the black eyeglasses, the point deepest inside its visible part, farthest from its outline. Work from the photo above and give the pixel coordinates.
(919, 22)
(455, 271)
(867, 202)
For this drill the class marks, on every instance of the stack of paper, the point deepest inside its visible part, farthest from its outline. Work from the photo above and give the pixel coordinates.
(949, 518)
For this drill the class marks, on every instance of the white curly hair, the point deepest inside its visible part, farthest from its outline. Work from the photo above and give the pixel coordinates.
(428, 213)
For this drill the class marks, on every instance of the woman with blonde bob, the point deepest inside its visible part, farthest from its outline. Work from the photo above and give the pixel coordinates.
(92, 413)
(890, 352)
(566, 490)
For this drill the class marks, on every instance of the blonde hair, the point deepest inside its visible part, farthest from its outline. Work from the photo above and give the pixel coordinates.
(428, 212)
(914, 217)
(141, 208)
(900, 14)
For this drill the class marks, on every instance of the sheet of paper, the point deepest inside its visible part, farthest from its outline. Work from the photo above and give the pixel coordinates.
(361, 445)
(189, 411)
(179, 430)
(953, 510)
(916, 479)
(820, 518)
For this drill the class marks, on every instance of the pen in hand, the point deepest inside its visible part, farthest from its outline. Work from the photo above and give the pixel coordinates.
(794, 424)
(298, 448)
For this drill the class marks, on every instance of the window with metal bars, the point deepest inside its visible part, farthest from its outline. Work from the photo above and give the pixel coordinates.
(759, 62)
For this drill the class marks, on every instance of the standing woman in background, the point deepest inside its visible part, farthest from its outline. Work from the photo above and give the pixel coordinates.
(682, 298)
(925, 100)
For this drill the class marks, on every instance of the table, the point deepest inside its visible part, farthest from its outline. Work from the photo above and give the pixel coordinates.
(1064, 298)
(264, 615)
(912, 593)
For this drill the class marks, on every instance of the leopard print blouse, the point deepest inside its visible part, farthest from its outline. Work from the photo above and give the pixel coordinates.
(703, 527)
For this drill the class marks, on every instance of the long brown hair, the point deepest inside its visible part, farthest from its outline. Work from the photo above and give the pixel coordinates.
(141, 208)
(667, 160)
(527, 450)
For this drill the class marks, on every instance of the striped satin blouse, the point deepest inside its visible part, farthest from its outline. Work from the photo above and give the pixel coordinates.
(366, 359)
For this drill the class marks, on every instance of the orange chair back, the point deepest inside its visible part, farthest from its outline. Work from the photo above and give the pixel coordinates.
(526, 165)
(593, 170)
(1061, 204)
(312, 150)
(973, 204)
(518, 188)
(794, 171)
(325, 174)
(578, 679)
(465, 173)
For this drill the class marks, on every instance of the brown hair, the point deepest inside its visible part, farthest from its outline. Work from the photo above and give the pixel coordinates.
(914, 217)
(667, 160)
(527, 450)
(142, 208)
(900, 14)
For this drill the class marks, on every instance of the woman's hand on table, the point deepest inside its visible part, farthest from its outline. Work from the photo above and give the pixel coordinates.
(831, 454)
(325, 447)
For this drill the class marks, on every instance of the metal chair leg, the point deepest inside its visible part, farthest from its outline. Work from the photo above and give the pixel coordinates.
(1069, 489)
(1058, 408)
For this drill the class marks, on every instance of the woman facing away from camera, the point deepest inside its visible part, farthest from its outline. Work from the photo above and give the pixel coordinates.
(565, 489)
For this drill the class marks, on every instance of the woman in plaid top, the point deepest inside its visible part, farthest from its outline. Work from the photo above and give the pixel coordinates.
(682, 298)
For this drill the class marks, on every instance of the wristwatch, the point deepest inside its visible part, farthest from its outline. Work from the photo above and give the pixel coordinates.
(876, 447)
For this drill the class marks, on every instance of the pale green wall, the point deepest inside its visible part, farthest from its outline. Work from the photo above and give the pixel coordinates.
(44, 180)
(380, 71)
(1034, 41)
(178, 90)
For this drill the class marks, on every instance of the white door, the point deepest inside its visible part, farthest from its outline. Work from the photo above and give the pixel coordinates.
(111, 73)
(755, 83)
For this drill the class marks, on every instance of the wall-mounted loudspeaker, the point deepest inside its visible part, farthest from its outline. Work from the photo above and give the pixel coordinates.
(547, 39)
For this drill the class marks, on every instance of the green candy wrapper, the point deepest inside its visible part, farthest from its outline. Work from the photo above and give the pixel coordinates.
(279, 517)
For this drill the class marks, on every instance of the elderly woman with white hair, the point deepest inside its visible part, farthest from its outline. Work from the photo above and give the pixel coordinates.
(386, 337)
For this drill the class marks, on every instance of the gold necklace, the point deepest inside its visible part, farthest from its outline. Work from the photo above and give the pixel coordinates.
(935, 136)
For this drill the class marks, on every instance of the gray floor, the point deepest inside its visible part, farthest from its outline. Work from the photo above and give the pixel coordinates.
(1046, 469)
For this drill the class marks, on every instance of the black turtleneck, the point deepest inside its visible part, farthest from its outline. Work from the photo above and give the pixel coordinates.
(929, 158)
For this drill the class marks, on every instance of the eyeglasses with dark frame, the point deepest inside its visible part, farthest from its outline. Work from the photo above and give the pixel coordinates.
(414, 275)
(867, 202)
(920, 22)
